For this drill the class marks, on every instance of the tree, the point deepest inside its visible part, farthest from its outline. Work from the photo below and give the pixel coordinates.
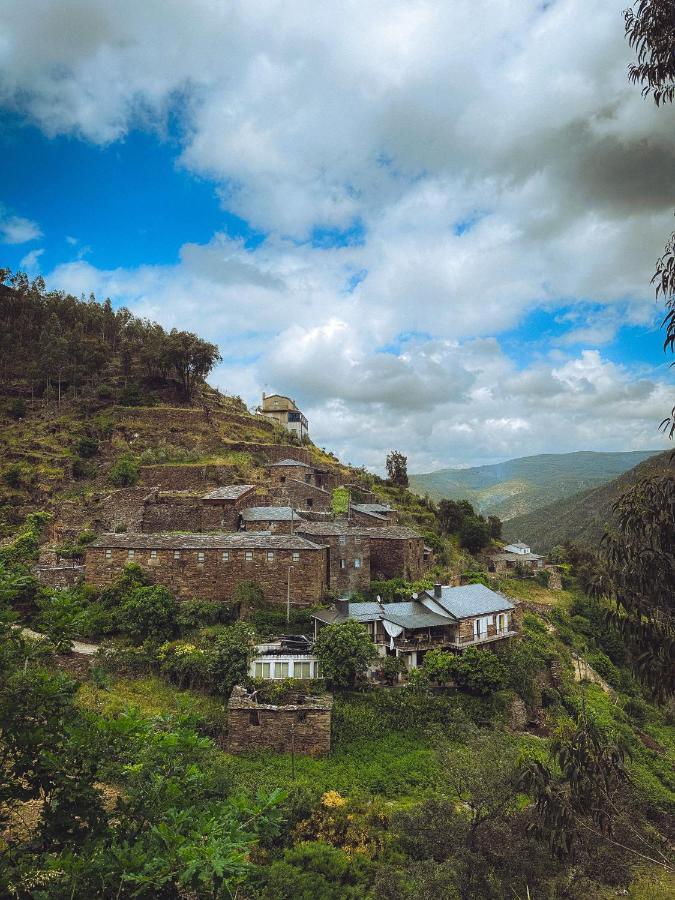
(474, 534)
(494, 527)
(451, 515)
(192, 358)
(397, 469)
(345, 651)
(229, 658)
(480, 671)
(650, 29)
(147, 612)
(641, 569)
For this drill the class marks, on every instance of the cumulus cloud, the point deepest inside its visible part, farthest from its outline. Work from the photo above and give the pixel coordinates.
(17, 229)
(489, 171)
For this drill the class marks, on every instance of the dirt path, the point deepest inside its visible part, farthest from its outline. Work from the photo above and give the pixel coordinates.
(76, 646)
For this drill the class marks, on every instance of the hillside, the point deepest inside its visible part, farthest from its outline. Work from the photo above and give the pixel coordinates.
(583, 516)
(519, 486)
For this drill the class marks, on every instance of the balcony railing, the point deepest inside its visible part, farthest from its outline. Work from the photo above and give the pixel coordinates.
(424, 642)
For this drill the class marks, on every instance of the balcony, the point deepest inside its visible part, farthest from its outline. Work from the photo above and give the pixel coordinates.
(446, 641)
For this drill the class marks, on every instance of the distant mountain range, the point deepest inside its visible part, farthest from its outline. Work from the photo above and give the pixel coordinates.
(583, 516)
(520, 486)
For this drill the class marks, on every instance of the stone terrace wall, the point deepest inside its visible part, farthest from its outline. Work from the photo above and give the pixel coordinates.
(303, 727)
(215, 578)
(187, 477)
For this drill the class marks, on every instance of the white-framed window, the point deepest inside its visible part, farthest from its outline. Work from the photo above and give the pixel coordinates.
(225, 556)
(357, 563)
(302, 670)
(317, 670)
(343, 563)
(248, 555)
(296, 556)
(108, 554)
(201, 556)
(153, 554)
(130, 554)
(281, 670)
(270, 556)
(176, 554)
(502, 622)
(480, 626)
(262, 670)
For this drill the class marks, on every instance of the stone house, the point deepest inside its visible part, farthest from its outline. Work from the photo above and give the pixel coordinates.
(287, 469)
(302, 496)
(302, 724)
(275, 519)
(223, 506)
(396, 551)
(348, 555)
(448, 618)
(513, 555)
(284, 411)
(210, 566)
(372, 514)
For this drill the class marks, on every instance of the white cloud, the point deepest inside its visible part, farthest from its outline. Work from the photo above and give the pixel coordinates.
(30, 261)
(494, 154)
(16, 229)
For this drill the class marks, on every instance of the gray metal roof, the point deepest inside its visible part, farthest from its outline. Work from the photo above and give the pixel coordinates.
(470, 600)
(289, 462)
(229, 492)
(271, 514)
(246, 540)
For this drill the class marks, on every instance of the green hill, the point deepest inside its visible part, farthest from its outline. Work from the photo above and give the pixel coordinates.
(519, 486)
(583, 516)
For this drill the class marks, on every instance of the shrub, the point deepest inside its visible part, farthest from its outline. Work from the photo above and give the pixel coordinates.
(480, 671)
(247, 596)
(543, 577)
(340, 501)
(123, 660)
(124, 472)
(183, 663)
(438, 665)
(130, 395)
(146, 612)
(392, 667)
(605, 668)
(229, 658)
(345, 651)
(17, 409)
(474, 534)
(87, 447)
(18, 475)
(197, 613)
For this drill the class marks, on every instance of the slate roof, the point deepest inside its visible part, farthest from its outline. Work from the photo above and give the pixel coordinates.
(470, 600)
(518, 557)
(372, 508)
(229, 492)
(518, 546)
(245, 540)
(392, 532)
(408, 614)
(270, 514)
(289, 462)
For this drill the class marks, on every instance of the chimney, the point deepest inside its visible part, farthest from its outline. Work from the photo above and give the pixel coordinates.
(342, 607)
(438, 591)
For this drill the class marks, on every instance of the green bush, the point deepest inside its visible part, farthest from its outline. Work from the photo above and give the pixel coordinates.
(474, 534)
(480, 671)
(229, 658)
(439, 666)
(124, 472)
(198, 613)
(82, 469)
(130, 395)
(18, 475)
(543, 577)
(16, 409)
(605, 668)
(146, 612)
(87, 447)
(345, 651)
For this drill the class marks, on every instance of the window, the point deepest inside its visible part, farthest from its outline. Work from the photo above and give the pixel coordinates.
(310, 503)
(200, 556)
(317, 670)
(270, 556)
(153, 554)
(343, 563)
(282, 479)
(248, 555)
(108, 554)
(226, 556)
(357, 563)
(262, 670)
(281, 670)
(302, 715)
(296, 556)
(502, 622)
(302, 670)
(176, 554)
(130, 554)
(253, 717)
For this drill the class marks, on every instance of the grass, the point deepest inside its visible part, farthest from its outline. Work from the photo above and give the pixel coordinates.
(529, 590)
(152, 696)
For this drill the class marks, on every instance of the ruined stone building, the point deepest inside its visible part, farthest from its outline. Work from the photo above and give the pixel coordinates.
(210, 566)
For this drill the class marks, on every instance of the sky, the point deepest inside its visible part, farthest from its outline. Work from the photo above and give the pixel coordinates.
(432, 223)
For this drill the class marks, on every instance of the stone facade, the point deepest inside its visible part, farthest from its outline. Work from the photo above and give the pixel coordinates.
(396, 552)
(301, 496)
(63, 575)
(209, 567)
(300, 727)
(349, 554)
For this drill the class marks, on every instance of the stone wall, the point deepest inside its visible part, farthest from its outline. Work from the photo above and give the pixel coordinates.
(215, 578)
(394, 558)
(347, 547)
(191, 477)
(172, 512)
(301, 727)
(59, 576)
(301, 496)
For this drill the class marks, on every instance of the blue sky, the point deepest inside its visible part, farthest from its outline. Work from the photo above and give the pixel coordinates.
(428, 253)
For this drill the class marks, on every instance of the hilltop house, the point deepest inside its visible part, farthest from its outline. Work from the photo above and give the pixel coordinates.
(210, 566)
(449, 618)
(513, 555)
(284, 411)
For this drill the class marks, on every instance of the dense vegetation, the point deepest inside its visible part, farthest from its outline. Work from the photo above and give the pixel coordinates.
(56, 343)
